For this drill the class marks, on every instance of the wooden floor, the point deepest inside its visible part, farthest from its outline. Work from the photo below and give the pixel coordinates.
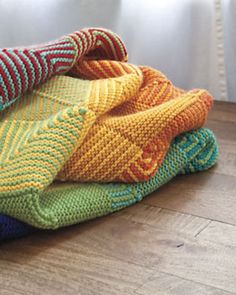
(180, 240)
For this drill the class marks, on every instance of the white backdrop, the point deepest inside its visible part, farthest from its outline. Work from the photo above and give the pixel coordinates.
(192, 41)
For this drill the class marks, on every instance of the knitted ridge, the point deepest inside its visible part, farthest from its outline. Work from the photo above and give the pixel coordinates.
(22, 69)
(63, 204)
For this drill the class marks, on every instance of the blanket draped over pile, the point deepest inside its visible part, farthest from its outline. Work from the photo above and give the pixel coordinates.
(83, 133)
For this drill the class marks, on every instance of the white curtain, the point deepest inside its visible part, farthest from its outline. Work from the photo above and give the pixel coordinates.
(192, 41)
(230, 46)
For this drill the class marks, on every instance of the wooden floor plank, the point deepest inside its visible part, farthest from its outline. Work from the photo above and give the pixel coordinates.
(202, 261)
(227, 161)
(223, 112)
(206, 194)
(223, 130)
(113, 253)
(113, 249)
(57, 264)
(166, 284)
(164, 219)
(221, 233)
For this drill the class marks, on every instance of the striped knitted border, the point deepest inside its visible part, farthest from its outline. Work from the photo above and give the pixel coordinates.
(22, 69)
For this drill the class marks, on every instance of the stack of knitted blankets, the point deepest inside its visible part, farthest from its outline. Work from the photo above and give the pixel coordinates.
(83, 133)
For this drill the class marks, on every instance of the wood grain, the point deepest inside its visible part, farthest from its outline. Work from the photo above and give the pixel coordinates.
(180, 240)
(166, 284)
(207, 194)
(164, 219)
(224, 234)
(208, 263)
(56, 263)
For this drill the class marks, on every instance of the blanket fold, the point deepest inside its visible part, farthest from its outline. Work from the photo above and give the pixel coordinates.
(92, 134)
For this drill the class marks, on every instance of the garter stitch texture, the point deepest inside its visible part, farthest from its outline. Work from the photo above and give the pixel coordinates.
(22, 69)
(96, 138)
(128, 143)
(117, 128)
(64, 204)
